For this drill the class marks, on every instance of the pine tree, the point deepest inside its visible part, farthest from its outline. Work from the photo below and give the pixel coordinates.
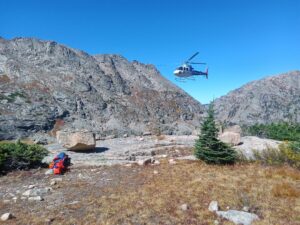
(208, 147)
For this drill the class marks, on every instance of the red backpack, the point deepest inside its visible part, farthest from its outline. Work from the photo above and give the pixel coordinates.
(60, 163)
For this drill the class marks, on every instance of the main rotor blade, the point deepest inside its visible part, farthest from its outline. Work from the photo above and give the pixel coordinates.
(197, 63)
(192, 56)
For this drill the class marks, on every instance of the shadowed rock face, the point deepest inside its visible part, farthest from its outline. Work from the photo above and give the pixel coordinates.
(272, 99)
(43, 82)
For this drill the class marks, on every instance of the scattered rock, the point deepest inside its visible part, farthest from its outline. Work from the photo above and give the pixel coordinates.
(141, 139)
(155, 172)
(156, 162)
(49, 172)
(144, 162)
(35, 198)
(184, 207)
(27, 193)
(49, 220)
(52, 182)
(77, 141)
(57, 179)
(31, 186)
(246, 208)
(238, 217)
(6, 201)
(146, 133)
(213, 206)
(216, 222)
(172, 161)
(230, 138)
(6, 216)
(125, 135)
(74, 202)
(187, 157)
(36, 191)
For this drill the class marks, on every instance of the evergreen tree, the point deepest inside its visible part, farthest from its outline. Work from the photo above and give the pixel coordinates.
(208, 147)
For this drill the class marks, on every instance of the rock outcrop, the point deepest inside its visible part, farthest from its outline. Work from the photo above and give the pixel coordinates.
(272, 99)
(250, 144)
(45, 86)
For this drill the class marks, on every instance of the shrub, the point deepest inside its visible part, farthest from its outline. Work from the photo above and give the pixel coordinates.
(208, 148)
(288, 153)
(20, 156)
(277, 131)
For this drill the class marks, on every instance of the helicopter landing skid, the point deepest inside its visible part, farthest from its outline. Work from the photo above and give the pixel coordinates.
(183, 80)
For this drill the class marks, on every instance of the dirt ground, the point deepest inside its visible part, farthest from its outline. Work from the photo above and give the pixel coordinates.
(153, 194)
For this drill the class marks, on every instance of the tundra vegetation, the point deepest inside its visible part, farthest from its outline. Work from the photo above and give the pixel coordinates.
(289, 150)
(20, 156)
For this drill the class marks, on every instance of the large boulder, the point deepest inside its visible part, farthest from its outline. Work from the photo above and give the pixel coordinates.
(234, 128)
(231, 138)
(77, 140)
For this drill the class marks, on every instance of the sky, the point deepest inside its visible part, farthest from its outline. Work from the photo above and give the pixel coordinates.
(240, 40)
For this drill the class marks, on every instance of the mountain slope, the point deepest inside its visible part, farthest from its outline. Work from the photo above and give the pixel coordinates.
(272, 99)
(45, 84)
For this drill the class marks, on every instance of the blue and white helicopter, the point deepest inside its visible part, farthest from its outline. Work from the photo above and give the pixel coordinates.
(187, 72)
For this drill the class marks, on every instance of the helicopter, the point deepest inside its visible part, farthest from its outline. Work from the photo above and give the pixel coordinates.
(186, 71)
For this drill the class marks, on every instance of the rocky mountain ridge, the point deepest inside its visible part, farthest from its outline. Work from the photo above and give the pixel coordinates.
(271, 99)
(46, 86)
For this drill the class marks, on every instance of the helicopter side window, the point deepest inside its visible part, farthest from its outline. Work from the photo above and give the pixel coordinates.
(180, 68)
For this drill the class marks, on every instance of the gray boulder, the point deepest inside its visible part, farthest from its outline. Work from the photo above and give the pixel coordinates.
(238, 217)
(213, 206)
(230, 138)
(6, 216)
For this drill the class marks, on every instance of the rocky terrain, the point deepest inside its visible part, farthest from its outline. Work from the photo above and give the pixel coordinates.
(172, 192)
(133, 149)
(272, 99)
(45, 85)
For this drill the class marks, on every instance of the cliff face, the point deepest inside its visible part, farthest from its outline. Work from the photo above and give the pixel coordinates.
(272, 99)
(45, 84)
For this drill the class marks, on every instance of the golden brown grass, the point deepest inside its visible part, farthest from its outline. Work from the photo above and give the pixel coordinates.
(285, 190)
(135, 195)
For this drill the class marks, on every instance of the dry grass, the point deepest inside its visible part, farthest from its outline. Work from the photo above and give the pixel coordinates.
(285, 190)
(135, 195)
